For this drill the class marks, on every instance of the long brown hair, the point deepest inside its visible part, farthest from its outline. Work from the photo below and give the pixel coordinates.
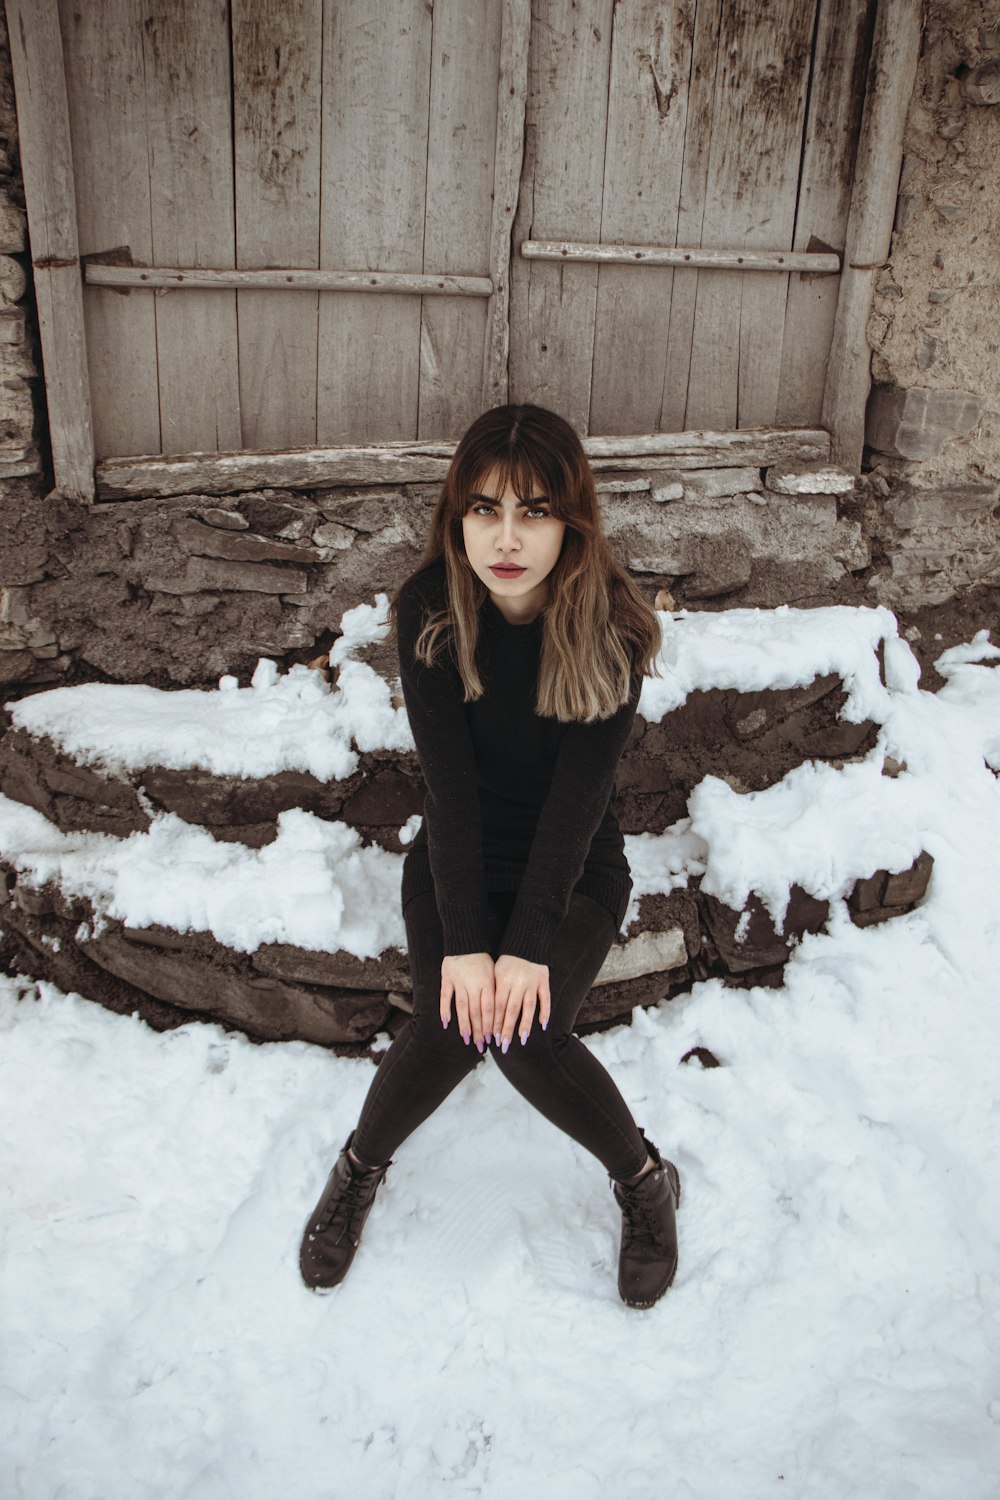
(595, 616)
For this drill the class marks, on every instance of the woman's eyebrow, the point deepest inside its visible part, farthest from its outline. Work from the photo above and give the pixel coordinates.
(495, 500)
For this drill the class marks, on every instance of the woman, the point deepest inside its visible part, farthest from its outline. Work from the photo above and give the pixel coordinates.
(522, 648)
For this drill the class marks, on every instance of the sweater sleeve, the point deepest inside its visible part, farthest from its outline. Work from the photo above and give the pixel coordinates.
(582, 784)
(452, 815)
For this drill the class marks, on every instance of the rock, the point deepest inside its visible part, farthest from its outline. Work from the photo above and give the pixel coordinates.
(749, 940)
(909, 885)
(390, 970)
(664, 492)
(808, 479)
(929, 349)
(228, 520)
(204, 573)
(707, 484)
(195, 975)
(916, 423)
(210, 541)
(981, 85)
(646, 953)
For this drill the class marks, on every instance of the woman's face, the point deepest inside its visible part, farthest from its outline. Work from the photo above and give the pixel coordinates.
(512, 546)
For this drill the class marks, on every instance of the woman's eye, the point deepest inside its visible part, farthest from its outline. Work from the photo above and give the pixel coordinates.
(539, 511)
(481, 509)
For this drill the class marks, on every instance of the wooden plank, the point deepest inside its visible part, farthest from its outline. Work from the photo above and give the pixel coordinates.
(376, 86)
(836, 96)
(47, 165)
(416, 462)
(553, 306)
(461, 147)
(691, 213)
(102, 46)
(512, 89)
(760, 91)
(647, 115)
(817, 263)
(276, 45)
(895, 50)
(187, 70)
(279, 279)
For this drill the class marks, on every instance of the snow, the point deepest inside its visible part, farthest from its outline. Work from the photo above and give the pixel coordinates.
(299, 722)
(834, 1329)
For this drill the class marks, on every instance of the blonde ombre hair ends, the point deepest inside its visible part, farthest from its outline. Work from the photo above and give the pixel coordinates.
(595, 613)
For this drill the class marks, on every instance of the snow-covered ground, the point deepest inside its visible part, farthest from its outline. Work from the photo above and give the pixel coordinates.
(834, 1330)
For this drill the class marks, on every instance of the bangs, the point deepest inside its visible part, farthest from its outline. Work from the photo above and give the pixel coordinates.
(528, 476)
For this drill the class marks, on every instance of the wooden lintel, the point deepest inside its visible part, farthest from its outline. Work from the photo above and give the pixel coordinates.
(891, 75)
(822, 262)
(50, 194)
(414, 283)
(391, 464)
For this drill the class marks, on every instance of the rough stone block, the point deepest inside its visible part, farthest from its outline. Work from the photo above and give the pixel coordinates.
(228, 576)
(646, 953)
(237, 546)
(391, 970)
(707, 484)
(749, 939)
(13, 279)
(13, 325)
(808, 479)
(13, 226)
(909, 885)
(917, 422)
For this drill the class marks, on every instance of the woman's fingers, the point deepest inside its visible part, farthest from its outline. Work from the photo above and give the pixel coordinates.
(512, 1010)
(487, 1005)
(527, 1014)
(476, 1018)
(544, 1003)
(462, 1012)
(447, 991)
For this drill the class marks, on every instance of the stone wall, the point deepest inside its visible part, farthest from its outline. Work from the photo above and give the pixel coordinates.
(934, 416)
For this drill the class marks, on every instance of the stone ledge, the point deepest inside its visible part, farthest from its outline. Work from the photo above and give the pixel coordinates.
(753, 739)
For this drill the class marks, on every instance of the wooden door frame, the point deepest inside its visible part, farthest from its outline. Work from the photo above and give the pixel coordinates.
(47, 167)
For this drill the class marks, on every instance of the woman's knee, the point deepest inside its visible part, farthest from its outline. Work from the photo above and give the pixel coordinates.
(443, 1045)
(533, 1056)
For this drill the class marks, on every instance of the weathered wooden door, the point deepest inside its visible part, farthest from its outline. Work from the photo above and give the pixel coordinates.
(303, 224)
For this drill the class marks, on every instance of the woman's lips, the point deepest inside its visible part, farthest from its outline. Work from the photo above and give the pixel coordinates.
(507, 570)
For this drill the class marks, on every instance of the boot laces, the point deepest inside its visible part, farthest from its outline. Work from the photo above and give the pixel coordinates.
(348, 1204)
(642, 1217)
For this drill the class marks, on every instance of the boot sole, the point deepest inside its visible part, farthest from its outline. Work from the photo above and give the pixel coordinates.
(675, 1180)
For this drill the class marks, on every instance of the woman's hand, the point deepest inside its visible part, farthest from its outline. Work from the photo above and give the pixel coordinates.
(468, 977)
(520, 985)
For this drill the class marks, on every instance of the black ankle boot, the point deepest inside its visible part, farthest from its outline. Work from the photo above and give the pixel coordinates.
(333, 1232)
(647, 1262)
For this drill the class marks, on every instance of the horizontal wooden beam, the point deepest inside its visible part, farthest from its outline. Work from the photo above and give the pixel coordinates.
(400, 463)
(413, 283)
(816, 262)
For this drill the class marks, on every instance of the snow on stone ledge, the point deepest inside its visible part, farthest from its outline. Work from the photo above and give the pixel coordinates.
(299, 722)
(754, 649)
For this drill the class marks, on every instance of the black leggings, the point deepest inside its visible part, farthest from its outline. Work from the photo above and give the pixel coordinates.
(553, 1070)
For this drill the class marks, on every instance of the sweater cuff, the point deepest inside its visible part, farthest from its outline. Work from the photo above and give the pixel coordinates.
(466, 927)
(529, 934)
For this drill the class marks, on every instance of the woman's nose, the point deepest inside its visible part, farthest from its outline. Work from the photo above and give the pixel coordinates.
(508, 539)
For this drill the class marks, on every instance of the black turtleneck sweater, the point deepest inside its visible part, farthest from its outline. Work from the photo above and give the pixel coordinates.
(515, 802)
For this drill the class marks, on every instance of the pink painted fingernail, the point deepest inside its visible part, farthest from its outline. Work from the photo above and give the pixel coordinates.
(465, 1037)
(506, 1044)
(524, 1037)
(545, 1023)
(488, 1038)
(444, 1022)
(480, 1048)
